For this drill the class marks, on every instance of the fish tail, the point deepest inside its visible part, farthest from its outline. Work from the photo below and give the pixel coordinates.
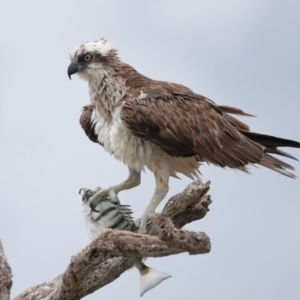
(149, 278)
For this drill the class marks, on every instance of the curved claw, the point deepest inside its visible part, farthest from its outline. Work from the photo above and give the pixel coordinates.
(92, 206)
(142, 222)
(113, 197)
(137, 223)
(101, 193)
(97, 189)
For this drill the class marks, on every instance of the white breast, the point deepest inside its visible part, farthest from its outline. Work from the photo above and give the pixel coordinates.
(119, 142)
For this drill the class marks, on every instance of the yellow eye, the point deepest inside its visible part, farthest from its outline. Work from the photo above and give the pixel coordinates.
(88, 57)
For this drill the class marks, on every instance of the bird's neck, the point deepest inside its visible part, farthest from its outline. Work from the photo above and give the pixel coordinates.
(106, 93)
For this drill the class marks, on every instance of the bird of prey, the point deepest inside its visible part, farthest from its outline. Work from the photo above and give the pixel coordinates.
(164, 126)
(108, 214)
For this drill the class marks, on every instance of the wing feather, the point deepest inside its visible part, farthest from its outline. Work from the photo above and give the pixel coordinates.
(186, 125)
(86, 123)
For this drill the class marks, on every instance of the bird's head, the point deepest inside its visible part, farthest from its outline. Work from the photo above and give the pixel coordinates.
(91, 59)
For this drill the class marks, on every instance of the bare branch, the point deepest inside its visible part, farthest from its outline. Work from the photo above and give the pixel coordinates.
(115, 251)
(5, 276)
(190, 205)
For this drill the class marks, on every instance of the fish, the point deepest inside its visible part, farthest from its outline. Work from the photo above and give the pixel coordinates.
(113, 215)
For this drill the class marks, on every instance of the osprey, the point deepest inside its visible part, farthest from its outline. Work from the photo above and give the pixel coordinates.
(164, 126)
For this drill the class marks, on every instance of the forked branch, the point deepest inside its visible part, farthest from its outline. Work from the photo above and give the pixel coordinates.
(115, 251)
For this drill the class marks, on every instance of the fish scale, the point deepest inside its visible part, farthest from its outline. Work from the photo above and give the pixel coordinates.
(113, 215)
(109, 214)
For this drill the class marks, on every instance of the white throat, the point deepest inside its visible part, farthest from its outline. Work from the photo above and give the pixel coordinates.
(106, 92)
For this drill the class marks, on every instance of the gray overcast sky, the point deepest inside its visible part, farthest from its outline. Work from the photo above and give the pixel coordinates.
(239, 53)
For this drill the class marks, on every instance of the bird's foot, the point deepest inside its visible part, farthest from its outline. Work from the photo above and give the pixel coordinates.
(101, 193)
(142, 222)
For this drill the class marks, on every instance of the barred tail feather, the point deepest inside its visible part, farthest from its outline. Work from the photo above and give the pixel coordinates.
(149, 278)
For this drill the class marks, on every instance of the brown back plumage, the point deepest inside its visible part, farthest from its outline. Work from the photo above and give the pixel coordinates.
(186, 124)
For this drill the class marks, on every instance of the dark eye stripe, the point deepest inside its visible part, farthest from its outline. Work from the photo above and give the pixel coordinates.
(81, 58)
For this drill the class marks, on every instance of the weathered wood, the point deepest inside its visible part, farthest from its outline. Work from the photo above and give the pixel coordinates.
(115, 251)
(190, 205)
(5, 276)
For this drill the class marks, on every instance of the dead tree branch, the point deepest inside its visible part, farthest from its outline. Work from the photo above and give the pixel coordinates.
(5, 276)
(115, 251)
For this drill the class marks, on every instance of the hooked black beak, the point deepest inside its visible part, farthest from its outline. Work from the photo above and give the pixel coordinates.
(72, 69)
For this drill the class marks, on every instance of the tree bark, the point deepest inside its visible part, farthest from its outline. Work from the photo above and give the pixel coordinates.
(106, 258)
(5, 276)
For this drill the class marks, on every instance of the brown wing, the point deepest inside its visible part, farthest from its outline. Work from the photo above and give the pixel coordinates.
(189, 125)
(86, 124)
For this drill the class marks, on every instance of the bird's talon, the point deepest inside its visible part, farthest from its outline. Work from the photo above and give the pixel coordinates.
(113, 197)
(142, 230)
(97, 189)
(151, 216)
(92, 206)
(144, 221)
(115, 200)
(137, 223)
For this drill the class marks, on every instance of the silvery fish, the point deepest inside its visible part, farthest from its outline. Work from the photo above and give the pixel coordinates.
(108, 214)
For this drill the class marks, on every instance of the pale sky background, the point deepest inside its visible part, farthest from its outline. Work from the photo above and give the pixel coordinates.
(239, 53)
